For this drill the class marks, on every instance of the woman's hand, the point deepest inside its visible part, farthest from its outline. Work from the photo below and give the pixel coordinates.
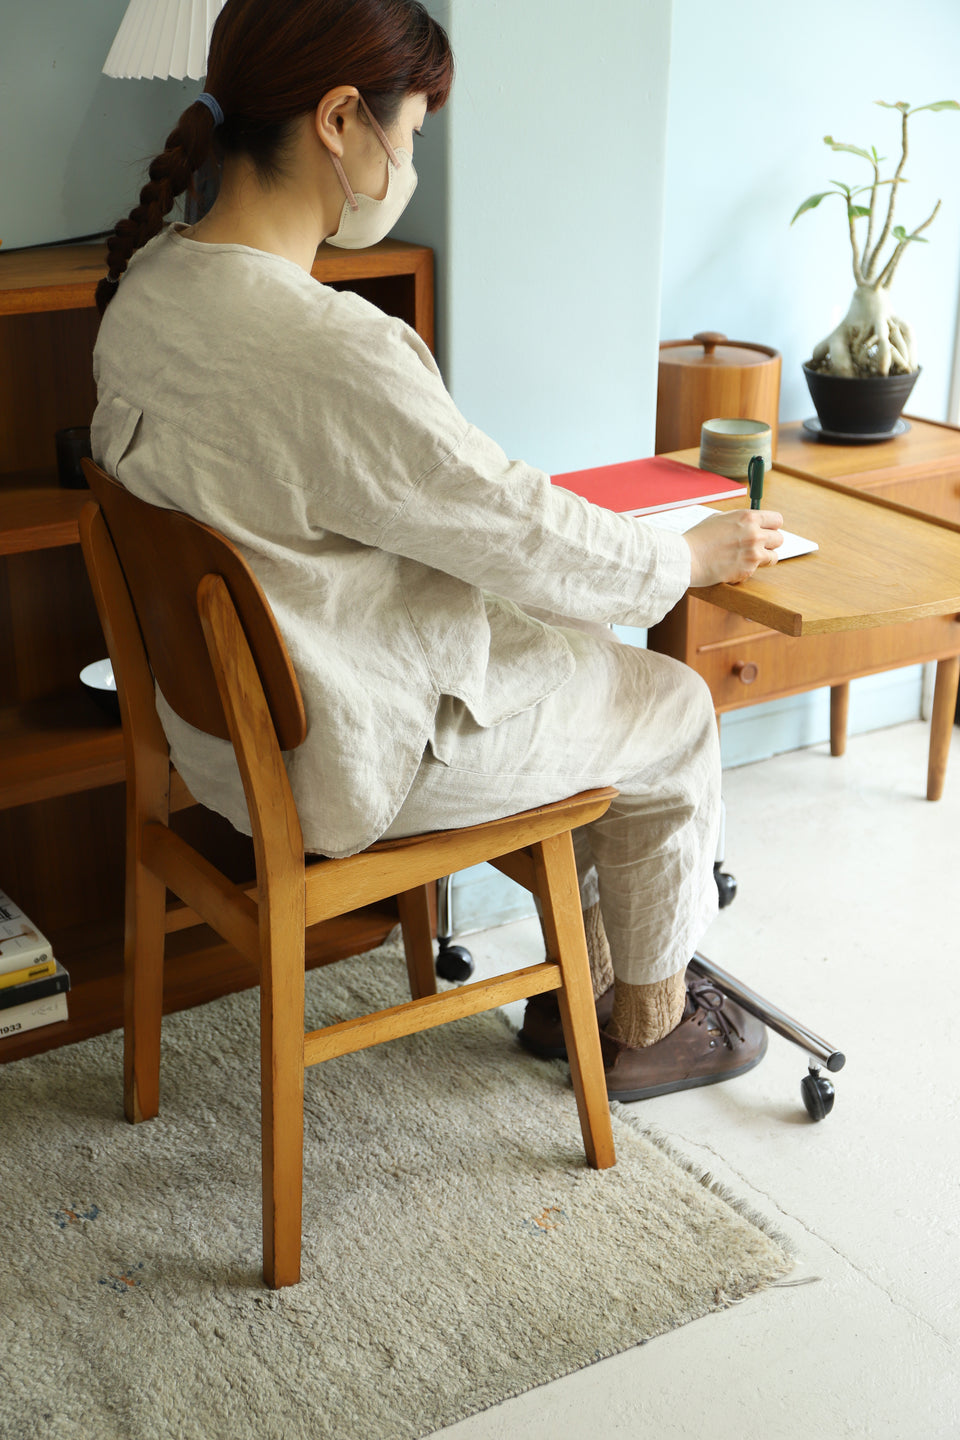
(732, 544)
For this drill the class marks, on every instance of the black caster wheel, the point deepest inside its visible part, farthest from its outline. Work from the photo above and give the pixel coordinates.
(726, 886)
(454, 963)
(818, 1094)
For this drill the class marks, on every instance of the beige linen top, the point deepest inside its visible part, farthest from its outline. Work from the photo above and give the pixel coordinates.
(399, 547)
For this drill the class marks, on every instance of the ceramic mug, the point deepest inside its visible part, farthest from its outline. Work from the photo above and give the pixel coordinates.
(727, 446)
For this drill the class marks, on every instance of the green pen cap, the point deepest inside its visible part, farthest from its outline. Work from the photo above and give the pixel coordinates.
(755, 471)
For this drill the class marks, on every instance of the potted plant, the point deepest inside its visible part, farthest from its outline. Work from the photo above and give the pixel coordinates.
(861, 374)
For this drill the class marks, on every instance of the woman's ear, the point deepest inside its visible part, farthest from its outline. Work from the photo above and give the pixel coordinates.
(335, 110)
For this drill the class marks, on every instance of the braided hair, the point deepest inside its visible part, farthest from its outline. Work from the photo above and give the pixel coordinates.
(170, 175)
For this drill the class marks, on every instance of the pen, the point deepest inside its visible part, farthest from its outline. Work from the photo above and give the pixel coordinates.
(755, 481)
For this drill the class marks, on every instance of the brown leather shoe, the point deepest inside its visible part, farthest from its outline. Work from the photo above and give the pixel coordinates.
(542, 1032)
(716, 1040)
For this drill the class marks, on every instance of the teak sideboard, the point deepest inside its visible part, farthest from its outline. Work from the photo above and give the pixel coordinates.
(61, 757)
(744, 663)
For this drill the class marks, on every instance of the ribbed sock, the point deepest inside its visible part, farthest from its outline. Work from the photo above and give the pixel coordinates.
(601, 966)
(644, 1014)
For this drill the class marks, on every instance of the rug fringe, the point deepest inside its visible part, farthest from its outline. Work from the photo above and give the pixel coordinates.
(704, 1177)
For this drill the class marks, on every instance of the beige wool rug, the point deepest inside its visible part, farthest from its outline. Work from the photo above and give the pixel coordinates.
(457, 1250)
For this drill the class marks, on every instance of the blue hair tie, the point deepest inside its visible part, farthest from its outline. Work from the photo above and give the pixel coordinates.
(213, 107)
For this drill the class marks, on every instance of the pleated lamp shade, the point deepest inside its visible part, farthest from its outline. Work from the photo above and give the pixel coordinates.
(163, 39)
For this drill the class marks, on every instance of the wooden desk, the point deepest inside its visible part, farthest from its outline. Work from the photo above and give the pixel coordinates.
(882, 591)
(920, 470)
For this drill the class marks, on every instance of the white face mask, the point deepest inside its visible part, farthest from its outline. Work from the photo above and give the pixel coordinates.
(363, 220)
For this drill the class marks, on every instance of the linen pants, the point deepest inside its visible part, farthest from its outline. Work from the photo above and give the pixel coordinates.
(627, 717)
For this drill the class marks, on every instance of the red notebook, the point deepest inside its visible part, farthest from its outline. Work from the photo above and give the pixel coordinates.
(641, 487)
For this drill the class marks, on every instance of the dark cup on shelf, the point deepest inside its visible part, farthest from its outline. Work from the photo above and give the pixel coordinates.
(72, 445)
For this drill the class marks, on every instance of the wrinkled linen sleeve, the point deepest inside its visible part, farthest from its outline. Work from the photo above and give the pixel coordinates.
(418, 480)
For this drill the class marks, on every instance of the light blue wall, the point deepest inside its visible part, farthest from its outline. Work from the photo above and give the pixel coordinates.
(73, 144)
(754, 87)
(543, 193)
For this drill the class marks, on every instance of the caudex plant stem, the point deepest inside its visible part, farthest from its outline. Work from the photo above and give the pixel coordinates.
(871, 339)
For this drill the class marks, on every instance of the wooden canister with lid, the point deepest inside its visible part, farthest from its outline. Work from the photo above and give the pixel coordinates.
(711, 377)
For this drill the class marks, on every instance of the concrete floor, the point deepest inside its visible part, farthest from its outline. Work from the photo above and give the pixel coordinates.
(848, 917)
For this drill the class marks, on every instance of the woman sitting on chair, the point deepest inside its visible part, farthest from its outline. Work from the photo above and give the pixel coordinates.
(408, 562)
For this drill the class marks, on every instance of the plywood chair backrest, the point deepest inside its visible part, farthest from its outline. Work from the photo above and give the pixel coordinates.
(164, 555)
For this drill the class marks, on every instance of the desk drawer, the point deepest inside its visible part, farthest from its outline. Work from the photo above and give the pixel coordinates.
(708, 624)
(747, 669)
(929, 494)
(693, 623)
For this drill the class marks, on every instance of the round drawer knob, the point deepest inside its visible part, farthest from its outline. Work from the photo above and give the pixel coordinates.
(746, 671)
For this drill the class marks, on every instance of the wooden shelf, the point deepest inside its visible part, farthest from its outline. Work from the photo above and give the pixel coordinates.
(36, 514)
(199, 967)
(59, 745)
(65, 277)
(390, 257)
(50, 277)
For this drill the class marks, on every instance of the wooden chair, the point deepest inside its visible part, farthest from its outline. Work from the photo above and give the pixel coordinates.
(179, 605)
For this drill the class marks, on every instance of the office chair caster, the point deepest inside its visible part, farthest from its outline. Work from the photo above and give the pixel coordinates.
(453, 961)
(817, 1091)
(726, 885)
(818, 1094)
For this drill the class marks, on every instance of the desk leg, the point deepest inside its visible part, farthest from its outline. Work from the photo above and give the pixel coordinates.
(941, 724)
(839, 708)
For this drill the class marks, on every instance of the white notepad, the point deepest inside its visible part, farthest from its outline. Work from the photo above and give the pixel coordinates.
(689, 515)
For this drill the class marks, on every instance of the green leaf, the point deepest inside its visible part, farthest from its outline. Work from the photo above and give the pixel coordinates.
(850, 149)
(811, 203)
(938, 105)
(840, 186)
(901, 105)
(857, 212)
(904, 238)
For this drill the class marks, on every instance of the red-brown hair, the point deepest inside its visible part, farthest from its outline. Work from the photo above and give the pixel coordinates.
(270, 62)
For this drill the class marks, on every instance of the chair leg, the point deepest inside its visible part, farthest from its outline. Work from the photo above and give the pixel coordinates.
(414, 907)
(281, 1092)
(142, 991)
(563, 930)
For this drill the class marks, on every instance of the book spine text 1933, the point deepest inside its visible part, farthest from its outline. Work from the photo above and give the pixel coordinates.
(32, 1015)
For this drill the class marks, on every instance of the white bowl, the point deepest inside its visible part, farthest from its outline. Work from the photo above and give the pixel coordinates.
(98, 679)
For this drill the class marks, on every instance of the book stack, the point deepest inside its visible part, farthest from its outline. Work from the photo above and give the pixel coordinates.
(33, 985)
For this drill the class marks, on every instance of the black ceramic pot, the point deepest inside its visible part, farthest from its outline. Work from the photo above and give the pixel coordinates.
(867, 406)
